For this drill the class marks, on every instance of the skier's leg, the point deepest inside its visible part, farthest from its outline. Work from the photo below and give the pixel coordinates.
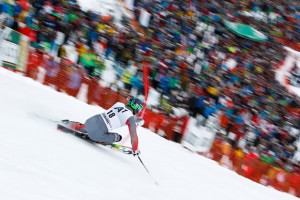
(106, 138)
(110, 137)
(98, 132)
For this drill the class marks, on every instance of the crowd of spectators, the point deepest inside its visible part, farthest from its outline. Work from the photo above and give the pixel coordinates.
(191, 52)
(195, 62)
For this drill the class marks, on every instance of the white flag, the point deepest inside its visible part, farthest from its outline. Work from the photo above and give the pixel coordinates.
(144, 18)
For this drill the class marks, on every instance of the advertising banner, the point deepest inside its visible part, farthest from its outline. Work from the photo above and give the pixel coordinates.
(198, 139)
(13, 49)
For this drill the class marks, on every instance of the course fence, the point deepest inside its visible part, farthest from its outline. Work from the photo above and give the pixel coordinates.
(254, 169)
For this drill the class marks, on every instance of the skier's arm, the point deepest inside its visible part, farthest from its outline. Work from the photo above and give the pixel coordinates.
(133, 135)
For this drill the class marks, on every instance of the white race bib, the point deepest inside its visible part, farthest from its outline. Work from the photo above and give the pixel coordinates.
(116, 116)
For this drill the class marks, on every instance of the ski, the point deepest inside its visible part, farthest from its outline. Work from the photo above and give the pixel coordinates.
(84, 136)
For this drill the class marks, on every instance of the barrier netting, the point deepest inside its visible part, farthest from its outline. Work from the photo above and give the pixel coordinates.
(251, 167)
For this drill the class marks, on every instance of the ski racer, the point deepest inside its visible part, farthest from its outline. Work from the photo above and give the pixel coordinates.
(99, 127)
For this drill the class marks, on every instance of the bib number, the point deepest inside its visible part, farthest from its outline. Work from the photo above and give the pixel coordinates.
(111, 113)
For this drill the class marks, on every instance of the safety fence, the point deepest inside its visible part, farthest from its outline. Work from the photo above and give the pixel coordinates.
(251, 167)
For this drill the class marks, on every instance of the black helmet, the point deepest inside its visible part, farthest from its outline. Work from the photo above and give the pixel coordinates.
(136, 105)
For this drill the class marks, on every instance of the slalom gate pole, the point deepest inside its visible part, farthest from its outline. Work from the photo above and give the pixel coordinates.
(146, 86)
(156, 183)
(146, 92)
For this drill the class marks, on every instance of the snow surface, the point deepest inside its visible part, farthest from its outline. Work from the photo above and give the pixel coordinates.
(39, 162)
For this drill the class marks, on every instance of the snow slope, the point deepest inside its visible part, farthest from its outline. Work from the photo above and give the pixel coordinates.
(38, 162)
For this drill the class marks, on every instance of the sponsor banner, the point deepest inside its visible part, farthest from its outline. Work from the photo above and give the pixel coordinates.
(13, 49)
(198, 139)
(10, 52)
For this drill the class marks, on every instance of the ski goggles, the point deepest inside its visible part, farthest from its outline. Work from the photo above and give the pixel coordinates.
(136, 107)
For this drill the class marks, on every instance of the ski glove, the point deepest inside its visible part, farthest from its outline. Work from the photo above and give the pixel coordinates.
(139, 121)
(136, 153)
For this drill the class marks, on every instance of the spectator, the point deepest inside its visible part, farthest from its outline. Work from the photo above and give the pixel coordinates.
(74, 81)
(63, 75)
(15, 24)
(52, 68)
(89, 61)
(137, 83)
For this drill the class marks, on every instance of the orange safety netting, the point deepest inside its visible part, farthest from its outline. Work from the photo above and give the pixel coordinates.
(252, 168)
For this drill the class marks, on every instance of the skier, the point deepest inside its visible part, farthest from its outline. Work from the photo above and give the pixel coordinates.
(98, 128)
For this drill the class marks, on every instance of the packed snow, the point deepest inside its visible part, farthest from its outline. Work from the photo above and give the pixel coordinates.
(39, 162)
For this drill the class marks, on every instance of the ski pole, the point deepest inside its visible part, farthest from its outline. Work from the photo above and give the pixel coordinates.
(147, 170)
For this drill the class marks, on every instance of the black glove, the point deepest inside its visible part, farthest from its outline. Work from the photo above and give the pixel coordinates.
(136, 153)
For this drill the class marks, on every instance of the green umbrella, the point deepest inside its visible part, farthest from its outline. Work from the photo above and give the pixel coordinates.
(246, 31)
